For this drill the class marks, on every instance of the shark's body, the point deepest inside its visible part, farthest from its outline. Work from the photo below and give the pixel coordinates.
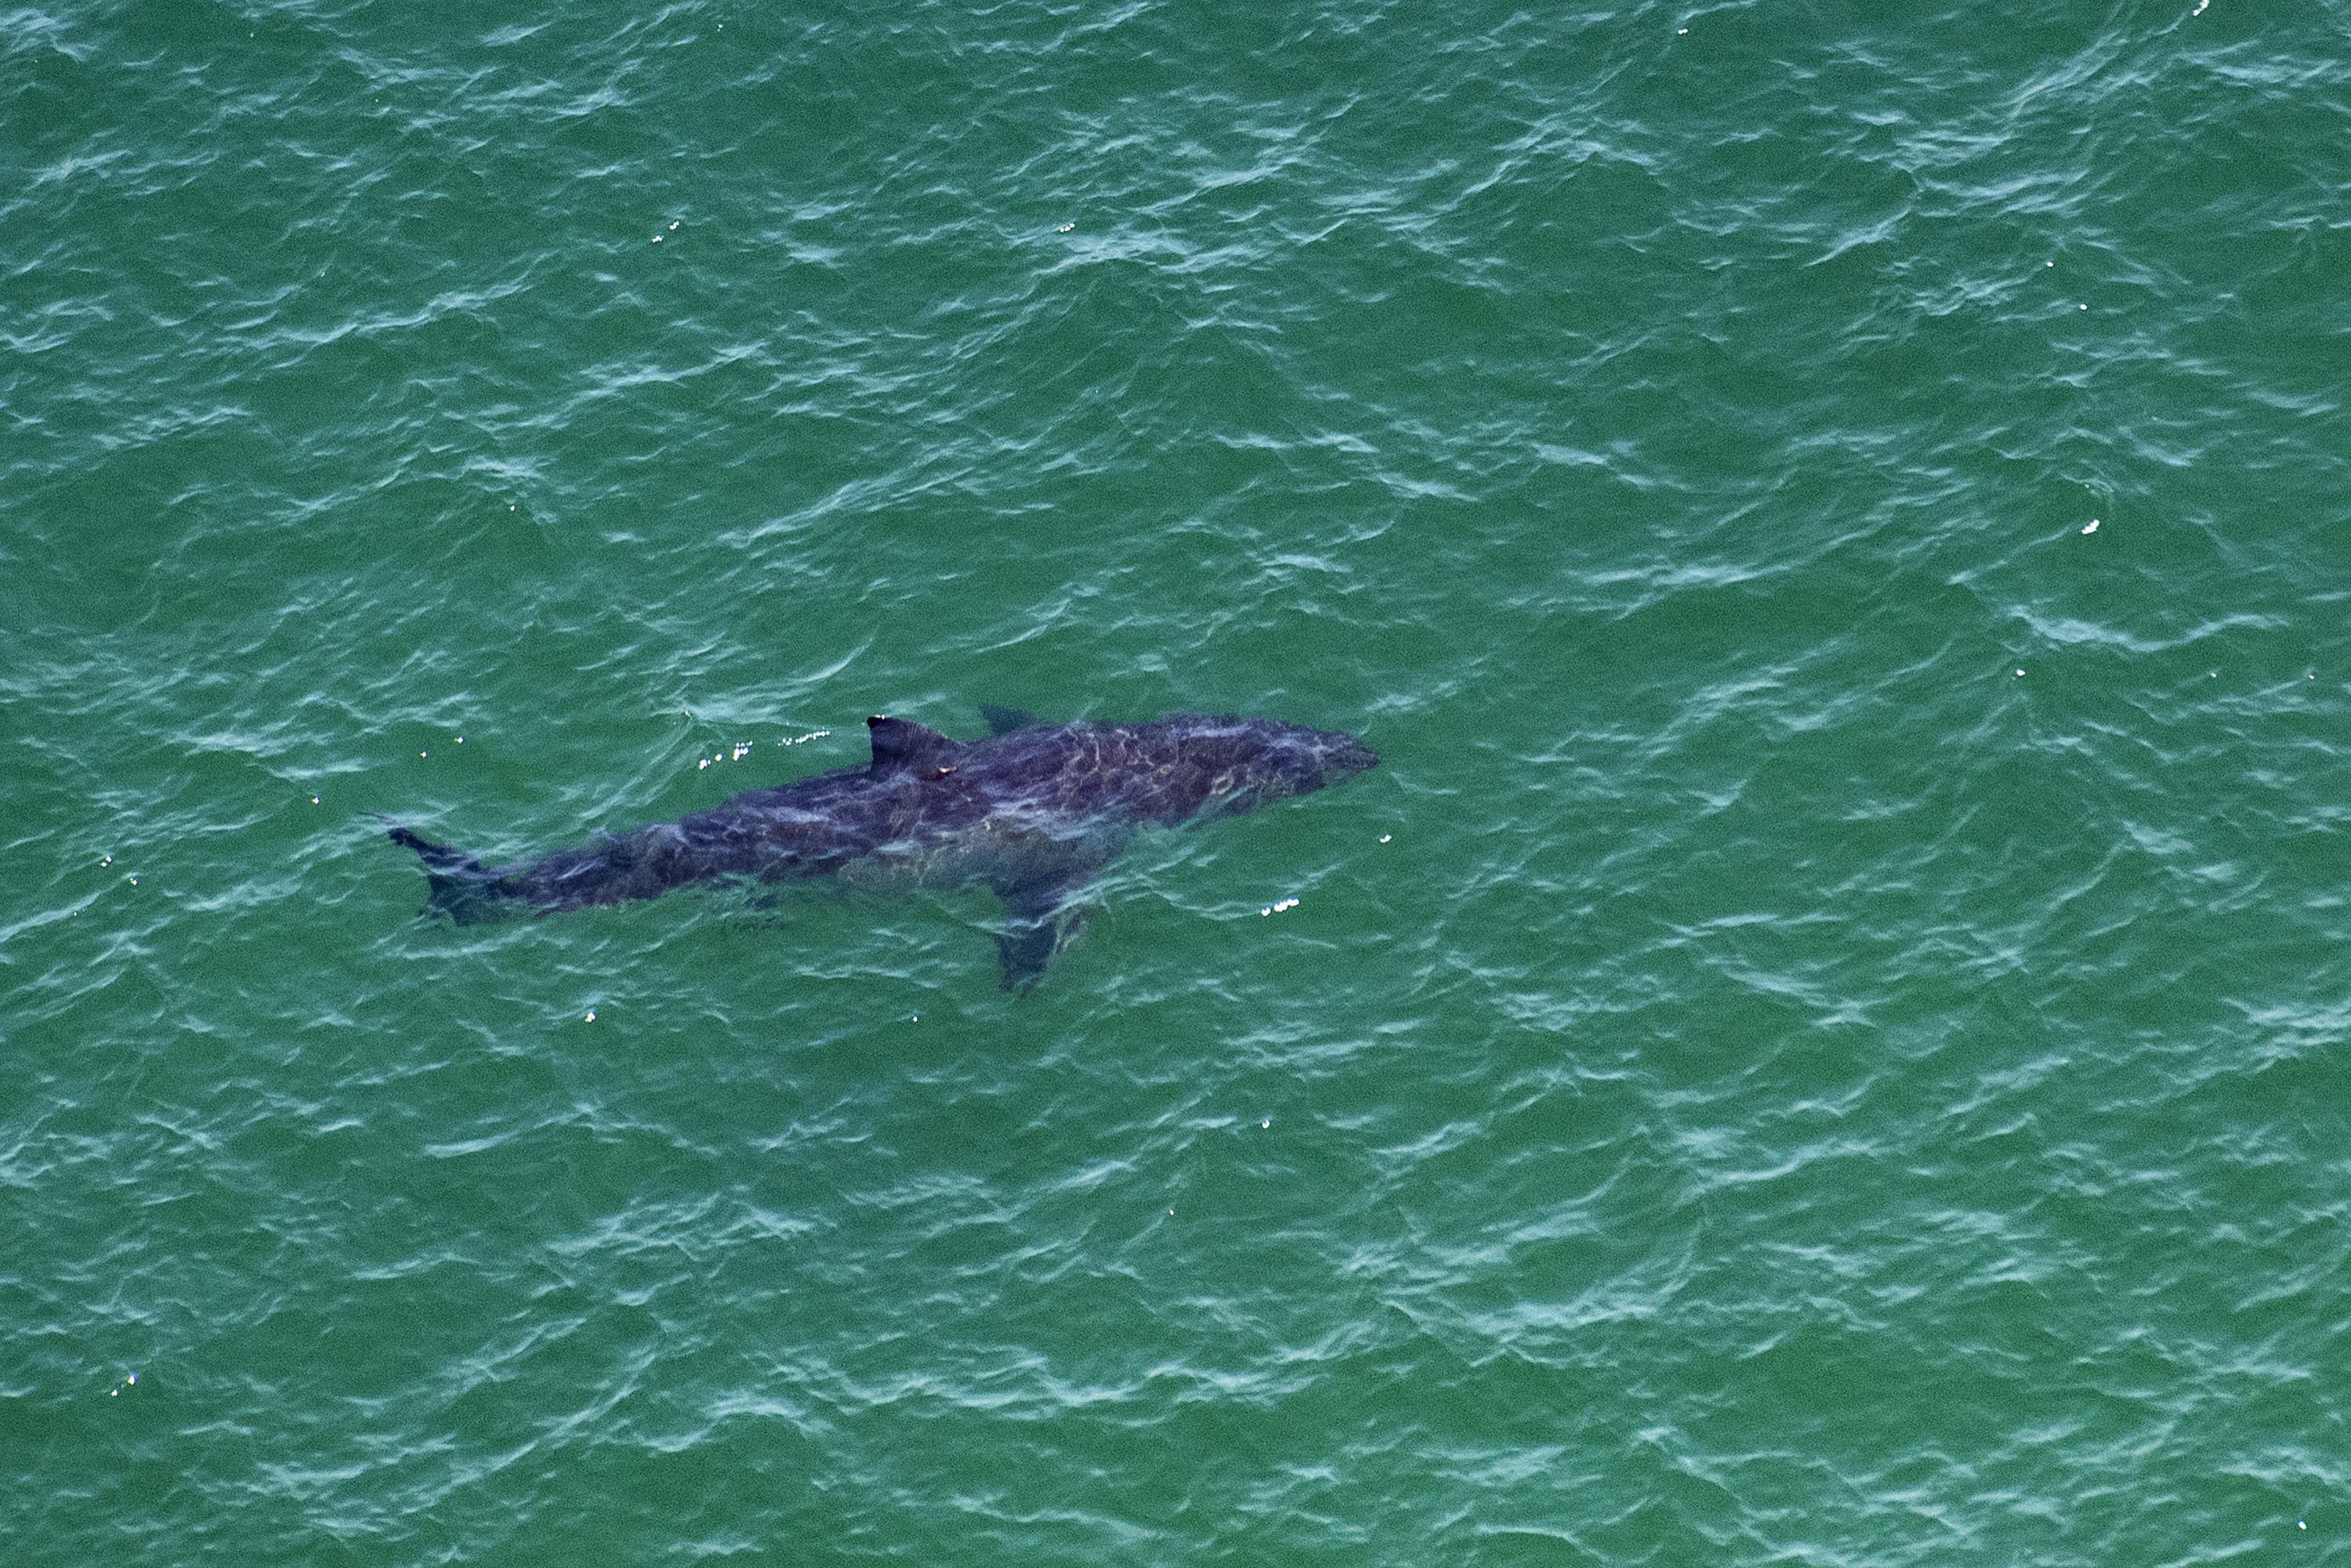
(1033, 812)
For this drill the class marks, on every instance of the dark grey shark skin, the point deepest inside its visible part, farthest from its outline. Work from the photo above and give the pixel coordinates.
(1033, 812)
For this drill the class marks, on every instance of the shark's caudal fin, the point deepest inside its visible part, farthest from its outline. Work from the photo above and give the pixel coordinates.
(901, 744)
(463, 888)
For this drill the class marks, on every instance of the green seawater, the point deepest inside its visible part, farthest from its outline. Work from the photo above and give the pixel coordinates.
(1823, 1042)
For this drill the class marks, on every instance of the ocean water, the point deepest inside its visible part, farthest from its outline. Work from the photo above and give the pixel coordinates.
(1822, 1041)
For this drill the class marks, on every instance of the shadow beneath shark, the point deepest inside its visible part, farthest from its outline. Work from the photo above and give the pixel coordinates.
(1033, 811)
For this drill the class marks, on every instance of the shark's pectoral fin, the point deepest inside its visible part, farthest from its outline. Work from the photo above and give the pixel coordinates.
(1041, 919)
(1005, 720)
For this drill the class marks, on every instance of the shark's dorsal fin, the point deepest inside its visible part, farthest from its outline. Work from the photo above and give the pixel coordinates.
(901, 743)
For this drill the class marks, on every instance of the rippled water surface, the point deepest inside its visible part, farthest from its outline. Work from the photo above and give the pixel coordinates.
(1822, 1041)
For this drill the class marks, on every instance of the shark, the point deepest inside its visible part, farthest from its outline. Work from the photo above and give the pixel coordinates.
(1033, 810)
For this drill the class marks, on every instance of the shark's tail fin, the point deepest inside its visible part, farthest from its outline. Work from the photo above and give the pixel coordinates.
(463, 887)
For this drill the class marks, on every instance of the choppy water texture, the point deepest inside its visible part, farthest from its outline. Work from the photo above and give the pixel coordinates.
(1823, 1042)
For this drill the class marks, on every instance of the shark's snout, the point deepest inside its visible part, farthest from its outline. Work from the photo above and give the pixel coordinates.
(1344, 757)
